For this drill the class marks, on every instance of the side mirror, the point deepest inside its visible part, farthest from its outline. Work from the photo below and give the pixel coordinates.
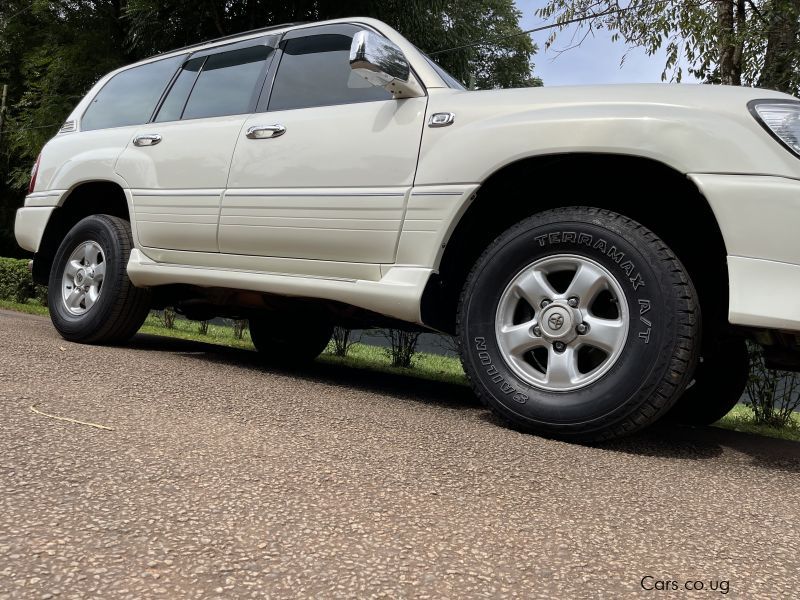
(383, 64)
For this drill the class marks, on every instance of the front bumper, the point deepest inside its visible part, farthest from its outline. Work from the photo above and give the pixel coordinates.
(764, 293)
(759, 217)
(30, 224)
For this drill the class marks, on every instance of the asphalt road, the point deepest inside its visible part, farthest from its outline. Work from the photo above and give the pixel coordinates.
(223, 478)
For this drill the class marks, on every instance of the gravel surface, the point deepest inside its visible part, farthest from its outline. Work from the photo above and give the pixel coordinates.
(226, 479)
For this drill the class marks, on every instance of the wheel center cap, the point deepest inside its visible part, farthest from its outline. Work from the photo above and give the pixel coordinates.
(557, 322)
(80, 276)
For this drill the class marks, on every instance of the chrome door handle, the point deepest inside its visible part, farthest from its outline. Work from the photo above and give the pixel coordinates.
(262, 132)
(149, 139)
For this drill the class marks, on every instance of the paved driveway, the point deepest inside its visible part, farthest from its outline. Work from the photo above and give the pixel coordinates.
(222, 478)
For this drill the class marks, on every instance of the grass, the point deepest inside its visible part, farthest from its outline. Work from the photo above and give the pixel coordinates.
(361, 356)
(741, 419)
(431, 367)
(425, 366)
(189, 330)
(30, 307)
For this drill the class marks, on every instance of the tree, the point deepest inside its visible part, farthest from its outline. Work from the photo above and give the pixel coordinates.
(734, 42)
(53, 51)
(781, 31)
(433, 25)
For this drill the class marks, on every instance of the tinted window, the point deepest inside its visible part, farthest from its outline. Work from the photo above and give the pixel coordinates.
(130, 97)
(227, 83)
(315, 71)
(172, 108)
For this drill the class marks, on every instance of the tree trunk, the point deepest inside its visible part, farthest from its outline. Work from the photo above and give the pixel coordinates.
(738, 55)
(729, 71)
(782, 52)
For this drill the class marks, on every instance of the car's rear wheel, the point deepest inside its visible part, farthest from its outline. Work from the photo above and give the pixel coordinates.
(579, 323)
(290, 338)
(90, 297)
(717, 386)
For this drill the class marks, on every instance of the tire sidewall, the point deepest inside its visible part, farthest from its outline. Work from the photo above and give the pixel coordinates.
(651, 310)
(95, 228)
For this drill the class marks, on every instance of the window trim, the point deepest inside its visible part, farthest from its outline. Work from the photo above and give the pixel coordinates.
(269, 84)
(168, 89)
(270, 41)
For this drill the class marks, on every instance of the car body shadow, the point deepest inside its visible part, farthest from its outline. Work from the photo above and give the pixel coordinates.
(666, 440)
(672, 440)
(409, 386)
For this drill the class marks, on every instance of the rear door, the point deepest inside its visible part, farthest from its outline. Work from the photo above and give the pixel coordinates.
(177, 165)
(327, 172)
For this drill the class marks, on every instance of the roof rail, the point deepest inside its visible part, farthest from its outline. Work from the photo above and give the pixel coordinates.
(233, 36)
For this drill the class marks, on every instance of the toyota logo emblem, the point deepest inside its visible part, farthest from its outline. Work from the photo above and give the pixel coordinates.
(556, 321)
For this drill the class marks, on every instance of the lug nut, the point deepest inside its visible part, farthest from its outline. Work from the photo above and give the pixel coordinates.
(537, 331)
(544, 303)
(573, 302)
(582, 328)
(559, 346)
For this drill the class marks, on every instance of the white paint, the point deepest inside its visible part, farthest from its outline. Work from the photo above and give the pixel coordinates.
(355, 203)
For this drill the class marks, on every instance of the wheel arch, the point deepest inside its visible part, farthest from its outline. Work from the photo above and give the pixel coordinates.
(82, 200)
(644, 189)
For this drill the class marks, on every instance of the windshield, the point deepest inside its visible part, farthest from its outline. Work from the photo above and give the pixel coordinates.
(451, 81)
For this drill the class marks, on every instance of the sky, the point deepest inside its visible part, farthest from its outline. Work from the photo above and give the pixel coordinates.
(597, 60)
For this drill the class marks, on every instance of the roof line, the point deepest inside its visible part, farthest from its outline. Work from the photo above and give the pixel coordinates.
(230, 37)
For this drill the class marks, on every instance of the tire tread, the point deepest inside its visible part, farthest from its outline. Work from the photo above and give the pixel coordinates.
(661, 395)
(130, 304)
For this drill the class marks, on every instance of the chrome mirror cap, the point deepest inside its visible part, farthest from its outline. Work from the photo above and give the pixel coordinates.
(383, 64)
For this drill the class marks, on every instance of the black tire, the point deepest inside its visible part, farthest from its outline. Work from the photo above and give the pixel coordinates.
(290, 339)
(655, 361)
(717, 386)
(121, 308)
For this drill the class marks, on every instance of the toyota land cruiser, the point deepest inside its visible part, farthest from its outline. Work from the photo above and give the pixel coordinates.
(303, 176)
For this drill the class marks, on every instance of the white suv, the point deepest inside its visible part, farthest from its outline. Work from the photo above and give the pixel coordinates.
(330, 173)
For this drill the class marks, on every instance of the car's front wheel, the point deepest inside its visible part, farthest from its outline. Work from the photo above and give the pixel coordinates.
(579, 323)
(90, 297)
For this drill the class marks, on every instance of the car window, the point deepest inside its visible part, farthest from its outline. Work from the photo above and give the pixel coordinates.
(130, 97)
(172, 108)
(449, 80)
(227, 83)
(315, 71)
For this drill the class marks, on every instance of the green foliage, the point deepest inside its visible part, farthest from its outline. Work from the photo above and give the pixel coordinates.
(51, 53)
(239, 327)
(168, 318)
(734, 42)
(155, 26)
(741, 418)
(432, 367)
(773, 396)
(342, 340)
(16, 284)
(403, 347)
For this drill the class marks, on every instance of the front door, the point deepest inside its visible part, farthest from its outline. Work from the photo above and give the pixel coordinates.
(328, 163)
(177, 165)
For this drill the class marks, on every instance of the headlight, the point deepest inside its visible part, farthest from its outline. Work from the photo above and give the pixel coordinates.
(781, 118)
